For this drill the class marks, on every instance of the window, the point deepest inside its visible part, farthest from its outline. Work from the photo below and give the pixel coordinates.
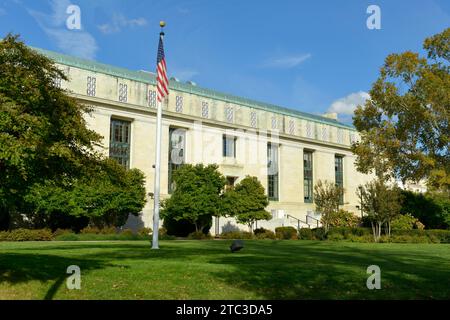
(229, 146)
(179, 104)
(274, 123)
(205, 109)
(309, 129)
(119, 141)
(324, 133)
(308, 176)
(253, 119)
(177, 138)
(291, 127)
(340, 136)
(339, 174)
(91, 86)
(229, 114)
(152, 98)
(123, 92)
(272, 171)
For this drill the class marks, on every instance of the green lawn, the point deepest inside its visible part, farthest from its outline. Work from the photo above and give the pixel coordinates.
(207, 270)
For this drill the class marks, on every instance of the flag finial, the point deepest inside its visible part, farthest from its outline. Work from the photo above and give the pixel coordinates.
(162, 24)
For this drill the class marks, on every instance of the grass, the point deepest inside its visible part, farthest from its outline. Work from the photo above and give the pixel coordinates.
(207, 270)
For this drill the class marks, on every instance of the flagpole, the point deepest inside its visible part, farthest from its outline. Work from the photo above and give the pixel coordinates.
(155, 242)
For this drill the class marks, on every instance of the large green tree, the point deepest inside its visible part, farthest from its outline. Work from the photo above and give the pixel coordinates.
(106, 196)
(196, 197)
(43, 135)
(404, 125)
(48, 160)
(246, 202)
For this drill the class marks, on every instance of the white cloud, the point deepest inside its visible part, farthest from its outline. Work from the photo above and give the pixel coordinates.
(287, 61)
(183, 10)
(184, 74)
(119, 21)
(348, 104)
(74, 42)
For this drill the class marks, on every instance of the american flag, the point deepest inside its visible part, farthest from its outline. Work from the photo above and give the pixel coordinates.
(162, 84)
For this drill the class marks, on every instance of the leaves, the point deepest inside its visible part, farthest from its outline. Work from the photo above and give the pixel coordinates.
(246, 202)
(326, 198)
(196, 195)
(404, 127)
(47, 159)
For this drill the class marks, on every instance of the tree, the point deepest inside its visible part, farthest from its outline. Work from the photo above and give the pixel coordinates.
(381, 204)
(404, 126)
(326, 198)
(107, 195)
(431, 208)
(246, 202)
(43, 135)
(196, 195)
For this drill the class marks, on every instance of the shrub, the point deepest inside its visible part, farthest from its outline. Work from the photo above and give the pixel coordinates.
(198, 235)
(167, 237)
(319, 233)
(343, 218)
(27, 235)
(259, 230)
(266, 234)
(162, 231)
(363, 238)
(59, 232)
(236, 235)
(144, 232)
(346, 232)
(419, 225)
(127, 232)
(305, 234)
(432, 209)
(442, 236)
(335, 237)
(96, 230)
(404, 222)
(67, 237)
(286, 233)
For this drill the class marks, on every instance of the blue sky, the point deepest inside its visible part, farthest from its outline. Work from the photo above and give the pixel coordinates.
(314, 56)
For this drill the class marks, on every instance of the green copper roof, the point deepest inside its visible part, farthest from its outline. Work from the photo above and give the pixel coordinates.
(147, 77)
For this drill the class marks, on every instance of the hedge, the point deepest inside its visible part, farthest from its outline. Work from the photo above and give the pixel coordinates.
(26, 235)
(286, 233)
(87, 234)
(400, 236)
(231, 235)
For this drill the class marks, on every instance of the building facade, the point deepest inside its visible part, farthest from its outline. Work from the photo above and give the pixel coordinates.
(288, 150)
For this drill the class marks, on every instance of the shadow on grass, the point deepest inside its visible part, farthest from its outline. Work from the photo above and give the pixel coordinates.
(23, 267)
(270, 269)
(330, 271)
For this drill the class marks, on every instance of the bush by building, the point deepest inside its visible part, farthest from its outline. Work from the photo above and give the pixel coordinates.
(262, 233)
(236, 235)
(286, 233)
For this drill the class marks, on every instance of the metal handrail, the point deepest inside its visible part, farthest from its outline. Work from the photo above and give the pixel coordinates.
(317, 220)
(298, 221)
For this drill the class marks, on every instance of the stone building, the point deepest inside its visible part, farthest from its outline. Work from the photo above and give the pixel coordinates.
(288, 150)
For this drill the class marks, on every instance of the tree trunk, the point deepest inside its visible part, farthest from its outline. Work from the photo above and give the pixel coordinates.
(374, 231)
(380, 225)
(389, 228)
